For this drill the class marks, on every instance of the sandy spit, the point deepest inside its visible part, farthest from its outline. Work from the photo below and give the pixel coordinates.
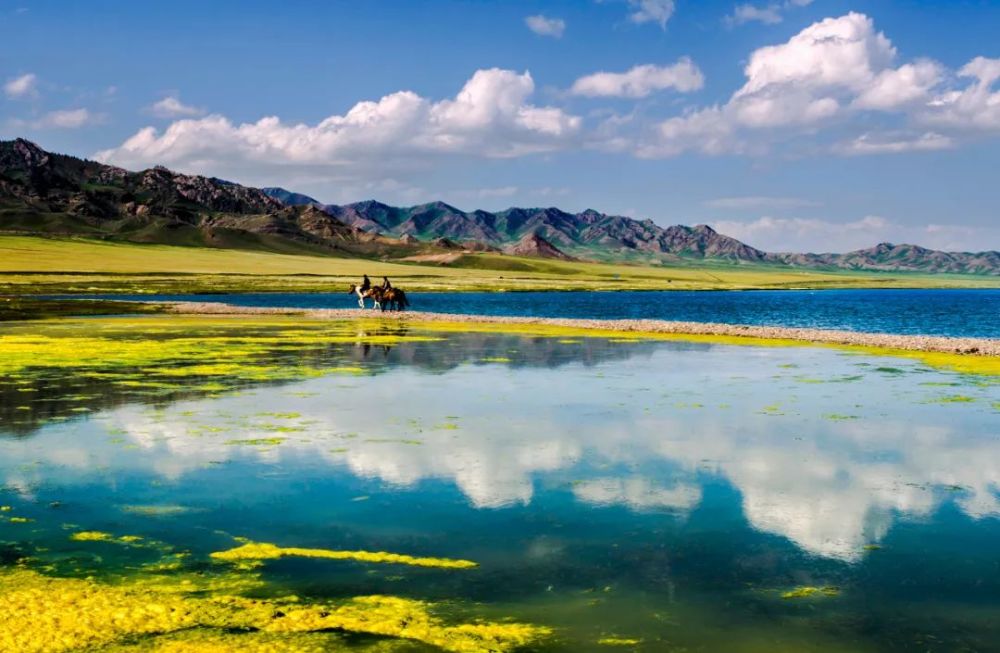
(972, 346)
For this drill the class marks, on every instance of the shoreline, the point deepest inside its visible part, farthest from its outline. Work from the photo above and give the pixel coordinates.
(974, 347)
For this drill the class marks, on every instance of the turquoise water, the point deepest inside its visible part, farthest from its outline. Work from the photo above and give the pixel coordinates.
(954, 312)
(664, 494)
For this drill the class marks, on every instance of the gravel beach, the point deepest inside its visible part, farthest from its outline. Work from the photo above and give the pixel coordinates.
(969, 346)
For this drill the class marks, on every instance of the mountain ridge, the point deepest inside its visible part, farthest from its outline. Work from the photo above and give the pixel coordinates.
(594, 235)
(55, 194)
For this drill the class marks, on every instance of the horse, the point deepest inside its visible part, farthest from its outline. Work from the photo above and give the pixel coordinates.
(374, 292)
(396, 299)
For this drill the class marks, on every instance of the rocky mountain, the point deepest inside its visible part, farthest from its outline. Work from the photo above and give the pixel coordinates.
(589, 234)
(889, 257)
(46, 193)
(534, 245)
(598, 236)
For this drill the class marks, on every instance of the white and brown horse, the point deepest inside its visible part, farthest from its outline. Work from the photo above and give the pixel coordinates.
(382, 298)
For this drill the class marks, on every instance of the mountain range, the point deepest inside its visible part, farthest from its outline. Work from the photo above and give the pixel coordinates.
(46, 193)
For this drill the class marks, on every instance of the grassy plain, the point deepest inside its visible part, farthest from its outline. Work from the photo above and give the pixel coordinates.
(32, 265)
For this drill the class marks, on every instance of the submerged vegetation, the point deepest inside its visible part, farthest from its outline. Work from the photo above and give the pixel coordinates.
(42, 614)
(256, 551)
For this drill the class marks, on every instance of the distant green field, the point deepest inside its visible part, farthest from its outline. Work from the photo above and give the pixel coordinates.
(43, 265)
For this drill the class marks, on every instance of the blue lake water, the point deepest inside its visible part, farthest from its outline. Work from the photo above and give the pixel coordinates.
(972, 313)
(629, 494)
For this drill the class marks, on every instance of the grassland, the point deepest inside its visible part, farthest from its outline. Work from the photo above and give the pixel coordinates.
(32, 265)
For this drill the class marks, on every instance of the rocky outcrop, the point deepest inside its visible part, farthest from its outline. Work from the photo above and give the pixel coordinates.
(536, 246)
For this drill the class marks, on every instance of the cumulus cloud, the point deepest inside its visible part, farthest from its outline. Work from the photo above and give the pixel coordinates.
(491, 116)
(172, 107)
(640, 81)
(544, 26)
(830, 70)
(23, 86)
(896, 87)
(977, 106)
(651, 11)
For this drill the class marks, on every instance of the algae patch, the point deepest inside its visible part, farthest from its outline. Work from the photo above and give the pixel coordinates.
(808, 592)
(53, 615)
(256, 551)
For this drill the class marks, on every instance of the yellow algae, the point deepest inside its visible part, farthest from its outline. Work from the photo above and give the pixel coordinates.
(266, 551)
(496, 359)
(21, 520)
(52, 615)
(5, 508)
(619, 641)
(92, 536)
(101, 536)
(808, 591)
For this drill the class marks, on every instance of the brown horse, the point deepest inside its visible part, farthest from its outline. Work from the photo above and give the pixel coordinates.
(395, 299)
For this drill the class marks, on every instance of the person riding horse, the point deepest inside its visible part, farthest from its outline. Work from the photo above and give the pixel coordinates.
(385, 283)
(366, 284)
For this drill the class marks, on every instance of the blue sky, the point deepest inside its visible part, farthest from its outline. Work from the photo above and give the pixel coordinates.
(793, 125)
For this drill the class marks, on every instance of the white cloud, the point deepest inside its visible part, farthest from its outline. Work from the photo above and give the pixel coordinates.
(489, 117)
(977, 106)
(893, 88)
(708, 130)
(23, 86)
(172, 107)
(784, 234)
(840, 52)
(757, 202)
(651, 11)
(769, 14)
(65, 119)
(894, 144)
(544, 26)
(827, 73)
(640, 81)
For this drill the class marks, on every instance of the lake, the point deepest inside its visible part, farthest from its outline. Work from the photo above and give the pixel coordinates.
(542, 493)
(969, 313)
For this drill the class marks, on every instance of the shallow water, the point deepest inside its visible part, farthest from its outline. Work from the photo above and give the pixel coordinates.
(629, 494)
(952, 312)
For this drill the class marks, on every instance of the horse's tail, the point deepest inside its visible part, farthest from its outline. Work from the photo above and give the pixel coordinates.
(403, 301)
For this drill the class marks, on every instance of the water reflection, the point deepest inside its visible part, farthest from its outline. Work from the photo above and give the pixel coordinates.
(824, 449)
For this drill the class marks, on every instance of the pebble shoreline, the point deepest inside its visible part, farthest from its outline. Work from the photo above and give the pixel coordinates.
(968, 346)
